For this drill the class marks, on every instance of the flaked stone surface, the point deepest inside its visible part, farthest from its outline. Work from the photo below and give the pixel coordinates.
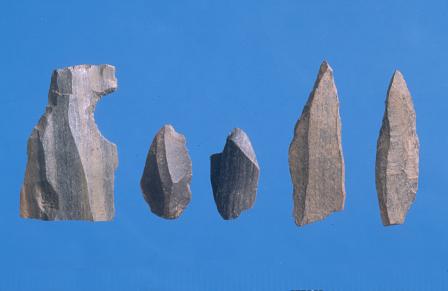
(167, 175)
(397, 154)
(316, 161)
(234, 175)
(70, 169)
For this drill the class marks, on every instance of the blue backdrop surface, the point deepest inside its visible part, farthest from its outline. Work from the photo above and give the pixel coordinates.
(207, 67)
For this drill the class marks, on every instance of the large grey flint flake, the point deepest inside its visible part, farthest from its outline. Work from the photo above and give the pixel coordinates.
(316, 161)
(234, 175)
(70, 169)
(397, 154)
(167, 175)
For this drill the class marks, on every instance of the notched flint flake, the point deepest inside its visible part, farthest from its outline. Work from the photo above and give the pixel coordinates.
(167, 175)
(316, 161)
(397, 154)
(70, 168)
(234, 175)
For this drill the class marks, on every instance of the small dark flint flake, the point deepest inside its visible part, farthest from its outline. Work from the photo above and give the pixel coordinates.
(167, 175)
(234, 175)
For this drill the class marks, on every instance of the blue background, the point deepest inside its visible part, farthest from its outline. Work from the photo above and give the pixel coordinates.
(207, 67)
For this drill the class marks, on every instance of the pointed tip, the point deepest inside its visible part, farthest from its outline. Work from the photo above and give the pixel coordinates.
(324, 67)
(164, 131)
(168, 126)
(236, 132)
(239, 136)
(324, 70)
(397, 74)
(397, 78)
(168, 132)
(241, 139)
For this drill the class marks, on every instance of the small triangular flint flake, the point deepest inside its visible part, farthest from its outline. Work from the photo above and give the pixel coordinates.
(167, 175)
(316, 161)
(397, 154)
(234, 175)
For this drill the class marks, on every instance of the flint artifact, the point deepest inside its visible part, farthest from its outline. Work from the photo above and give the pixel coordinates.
(397, 154)
(234, 175)
(316, 161)
(165, 182)
(70, 169)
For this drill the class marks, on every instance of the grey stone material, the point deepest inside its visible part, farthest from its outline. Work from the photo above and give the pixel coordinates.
(165, 182)
(316, 161)
(397, 154)
(70, 169)
(234, 175)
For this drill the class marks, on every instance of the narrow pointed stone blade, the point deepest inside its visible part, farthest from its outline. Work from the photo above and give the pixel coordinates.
(316, 161)
(234, 175)
(397, 154)
(167, 175)
(70, 168)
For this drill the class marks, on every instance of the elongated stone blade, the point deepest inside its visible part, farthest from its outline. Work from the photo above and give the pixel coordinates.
(397, 154)
(234, 175)
(167, 175)
(316, 161)
(70, 168)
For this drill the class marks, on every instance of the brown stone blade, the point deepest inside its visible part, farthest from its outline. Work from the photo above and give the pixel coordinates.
(397, 154)
(316, 161)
